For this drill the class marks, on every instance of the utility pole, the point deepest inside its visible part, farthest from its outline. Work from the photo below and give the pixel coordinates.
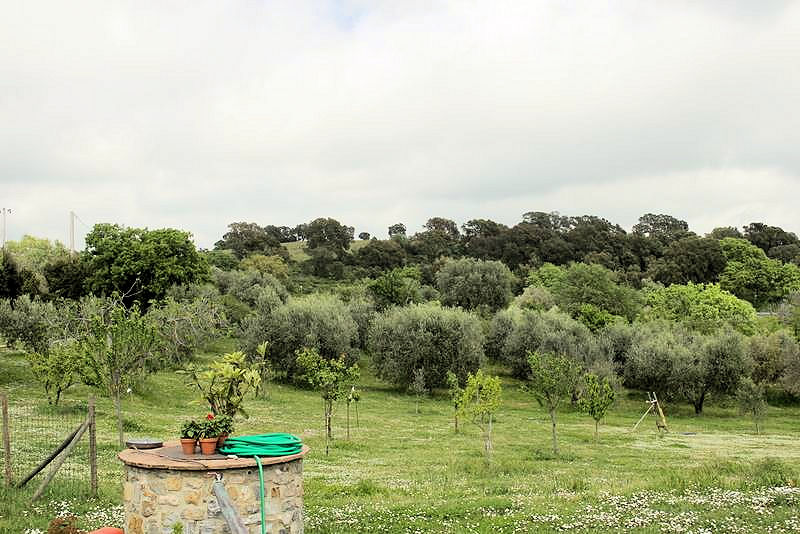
(72, 233)
(5, 212)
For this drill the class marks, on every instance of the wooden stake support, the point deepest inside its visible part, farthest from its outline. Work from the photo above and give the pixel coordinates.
(6, 439)
(655, 407)
(60, 460)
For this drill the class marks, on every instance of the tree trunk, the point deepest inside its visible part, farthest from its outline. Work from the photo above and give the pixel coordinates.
(357, 425)
(596, 429)
(118, 410)
(698, 404)
(348, 421)
(555, 436)
(487, 440)
(328, 433)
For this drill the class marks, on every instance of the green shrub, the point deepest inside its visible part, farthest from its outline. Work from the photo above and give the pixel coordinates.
(321, 322)
(425, 336)
(475, 284)
(551, 331)
(500, 327)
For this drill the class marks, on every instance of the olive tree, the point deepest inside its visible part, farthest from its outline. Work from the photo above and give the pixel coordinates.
(750, 398)
(475, 284)
(425, 336)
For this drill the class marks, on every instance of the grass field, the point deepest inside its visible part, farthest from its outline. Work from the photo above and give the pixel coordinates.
(403, 472)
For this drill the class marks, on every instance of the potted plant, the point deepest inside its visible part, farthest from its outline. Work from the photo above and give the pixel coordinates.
(209, 433)
(190, 431)
(225, 426)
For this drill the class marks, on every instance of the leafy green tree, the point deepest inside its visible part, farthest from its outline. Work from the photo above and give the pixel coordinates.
(500, 328)
(597, 398)
(751, 275)
(331, 377)
(475, 284)
(378, 256)
(33, 253)
(364, 236)
(185, 326)
(245, 238)
(224, 259)
(480, 400)
(596, 318)
(67, 276)
(11, 281)
(535, 298)
(31, 322)
(721, 232)
(329, 233)
(425, 336)
(750, 398)
(702, 307)
(768, 237)
(594, 284)
(770, 354)
(689, 259)
(553, 378)
(486, 240)
(272, 265)
(663, 228)
(141, 264)
(58, 368)
(119, 344)
(397, 230)
(397, 287)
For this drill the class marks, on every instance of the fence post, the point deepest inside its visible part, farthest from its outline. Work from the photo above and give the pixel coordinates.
(92, 448)
(6, 439)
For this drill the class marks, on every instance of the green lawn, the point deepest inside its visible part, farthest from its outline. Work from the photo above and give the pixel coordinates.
(403, 472)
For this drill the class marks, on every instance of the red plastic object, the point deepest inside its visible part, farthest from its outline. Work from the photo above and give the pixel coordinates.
(108, 530)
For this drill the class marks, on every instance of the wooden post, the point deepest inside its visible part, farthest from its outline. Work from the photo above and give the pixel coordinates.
(60, 461)
(6, 439)
(49, 459)
(92, 449)
(232, 518)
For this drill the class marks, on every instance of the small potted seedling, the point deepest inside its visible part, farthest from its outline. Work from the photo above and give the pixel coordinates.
(225, 427)
(209, 434)
(190, 432)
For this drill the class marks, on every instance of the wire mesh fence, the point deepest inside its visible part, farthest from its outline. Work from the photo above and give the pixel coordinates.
(35, 431)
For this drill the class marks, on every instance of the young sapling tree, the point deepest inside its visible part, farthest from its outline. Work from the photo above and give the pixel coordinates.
(750, 397)
(119, 344)
(456, 395)
(480, 400)
(226, 382)
(353, 397)
(597, 398)
(553, 378)
(418, 388)
(330, 377)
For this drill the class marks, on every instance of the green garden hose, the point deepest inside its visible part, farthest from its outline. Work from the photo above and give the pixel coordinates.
(274, 444)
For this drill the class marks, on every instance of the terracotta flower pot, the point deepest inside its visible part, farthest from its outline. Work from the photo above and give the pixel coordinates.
(107, 530)
(221, 440)
(187, 445)
(208, 445)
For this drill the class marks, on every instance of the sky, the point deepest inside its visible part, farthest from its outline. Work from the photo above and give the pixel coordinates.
(196, 114)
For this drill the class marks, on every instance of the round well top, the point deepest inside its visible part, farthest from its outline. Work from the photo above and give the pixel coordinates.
(170, 457)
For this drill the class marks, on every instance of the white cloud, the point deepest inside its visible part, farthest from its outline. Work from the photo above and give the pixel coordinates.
(197, 114)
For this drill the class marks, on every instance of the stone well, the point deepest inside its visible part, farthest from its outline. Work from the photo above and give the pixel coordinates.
(164, 487)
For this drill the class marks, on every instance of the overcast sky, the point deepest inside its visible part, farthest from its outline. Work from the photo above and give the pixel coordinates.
(196, 114)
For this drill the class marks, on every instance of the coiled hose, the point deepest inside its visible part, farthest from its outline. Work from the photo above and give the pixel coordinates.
(268, 445)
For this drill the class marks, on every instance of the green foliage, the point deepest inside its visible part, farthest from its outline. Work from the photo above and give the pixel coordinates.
(500, 328)
(331, 377)
(397, 287)
(425, 336)
(245, 238)
(751, 275)
(30, 322)
(480, 400)
(596, 318)
(58, 368)
(456, 393)
(418, 387)
(548, 276)
(598, 396)
(702, 307)
(119, 343)
(362, 309)
(771, 353)
(271, 265)
(550, 331)
(378, 256)
(141, 264)
(185, 326)
(318, 321)
(475, 284)
(224, 259)
(750, 398)
(690, 259)
(11, 281)
(66, 276)
(553, 378)
(329, 233)
(226, 382)
(536, 298)
(596, 285)
(249, 286)
(191, 430)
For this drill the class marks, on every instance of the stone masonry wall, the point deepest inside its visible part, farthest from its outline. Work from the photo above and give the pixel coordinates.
(157, 499)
